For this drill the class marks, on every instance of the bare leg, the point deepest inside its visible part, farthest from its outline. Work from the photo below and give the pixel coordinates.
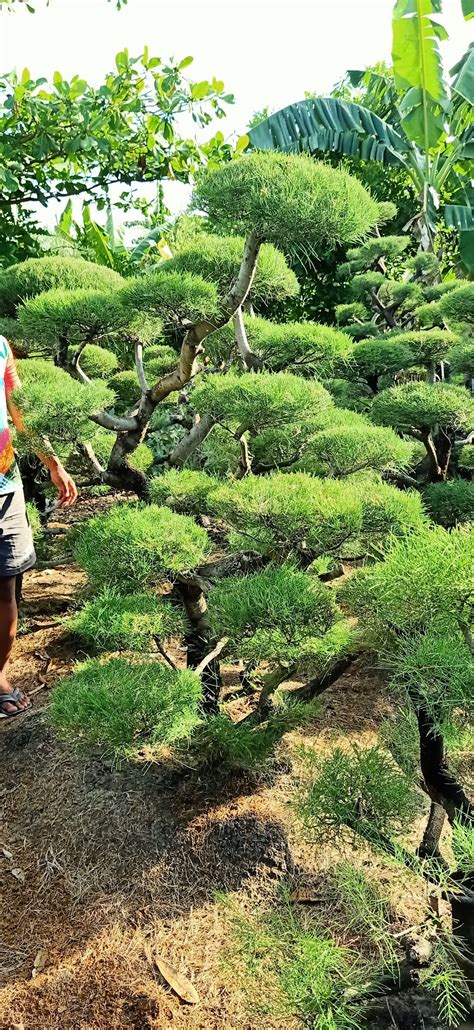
(8, 627)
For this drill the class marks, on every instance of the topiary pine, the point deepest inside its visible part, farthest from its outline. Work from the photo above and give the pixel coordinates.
(125, 622)
(60, 318)
(55, 405)
(422, 407)
(344, 450)
(184, 490)
(29, 278)
(457, 308)
(280, 196)
(256, 402)
(218, 258)
(374, 358)
(303, 348)
(173, 297)
(127, 705)
(271, 616)
(132, 547)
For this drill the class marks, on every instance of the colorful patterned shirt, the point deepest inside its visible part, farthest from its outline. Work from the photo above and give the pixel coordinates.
(9, 380)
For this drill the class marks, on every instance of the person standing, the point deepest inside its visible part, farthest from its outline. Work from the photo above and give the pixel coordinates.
(17, 554)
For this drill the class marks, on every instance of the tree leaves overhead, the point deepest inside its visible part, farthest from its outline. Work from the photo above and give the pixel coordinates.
(69, 138)
(418, 71)
(325, 124)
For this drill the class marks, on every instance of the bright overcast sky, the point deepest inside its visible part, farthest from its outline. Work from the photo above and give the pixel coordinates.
(267, 53)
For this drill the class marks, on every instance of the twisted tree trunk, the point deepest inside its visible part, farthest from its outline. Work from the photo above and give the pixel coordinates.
(131, 431)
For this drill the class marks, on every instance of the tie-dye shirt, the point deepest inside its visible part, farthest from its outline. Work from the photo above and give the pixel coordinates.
(9, 380)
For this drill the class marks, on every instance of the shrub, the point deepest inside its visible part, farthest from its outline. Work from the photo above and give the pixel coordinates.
(258, 402)
(126, 388)
(426, 345)
(142, 458)
(71, 315)
(172, 296)
(457, 307)
(217, 258)
(184, 490)
(117, 622)
(342, 451)
(225, 745)
(361, 789)
(461, 360)
(373, 358)
(130, 547)
(160, 362)
(97, 362)
(55, 405)
(270, 615)
(277, 513)
(290, 197)
(401, 296)
(466, 458)
(303, 348)
(125, 706)
(451, 502)
(425, 578)
(422, 406)
(29, 278)
(291, 970)
(347, 313)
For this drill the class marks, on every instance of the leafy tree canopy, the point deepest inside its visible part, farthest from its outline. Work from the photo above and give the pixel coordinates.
(294, 198)
(66, 138)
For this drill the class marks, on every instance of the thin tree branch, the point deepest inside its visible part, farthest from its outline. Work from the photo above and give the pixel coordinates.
(140, 370)
(114, 422)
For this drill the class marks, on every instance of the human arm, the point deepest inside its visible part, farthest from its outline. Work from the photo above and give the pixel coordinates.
(65, 486)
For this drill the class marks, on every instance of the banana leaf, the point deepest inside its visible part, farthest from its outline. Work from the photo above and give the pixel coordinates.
(468, 9)
(463, 73)
(326, 125)
(418, 71)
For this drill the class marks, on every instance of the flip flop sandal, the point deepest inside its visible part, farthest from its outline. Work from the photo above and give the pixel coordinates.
(13, 699)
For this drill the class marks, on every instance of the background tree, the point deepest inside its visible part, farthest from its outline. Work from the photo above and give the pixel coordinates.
(69, 139)
(429, 134)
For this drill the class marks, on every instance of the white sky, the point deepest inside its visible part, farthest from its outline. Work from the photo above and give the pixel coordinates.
(267, 53)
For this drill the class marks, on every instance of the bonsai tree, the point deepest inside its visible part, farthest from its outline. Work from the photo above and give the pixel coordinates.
(435, 415)
(284, 196)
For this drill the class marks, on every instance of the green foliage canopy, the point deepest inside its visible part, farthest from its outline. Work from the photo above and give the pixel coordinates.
(278, 196)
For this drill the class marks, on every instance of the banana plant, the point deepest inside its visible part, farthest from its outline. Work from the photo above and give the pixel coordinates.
(104, 244)
(431, 137)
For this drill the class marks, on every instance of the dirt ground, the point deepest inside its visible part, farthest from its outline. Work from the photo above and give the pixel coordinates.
(103, 867)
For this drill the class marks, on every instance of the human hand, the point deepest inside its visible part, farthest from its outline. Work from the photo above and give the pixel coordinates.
(66, 487)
